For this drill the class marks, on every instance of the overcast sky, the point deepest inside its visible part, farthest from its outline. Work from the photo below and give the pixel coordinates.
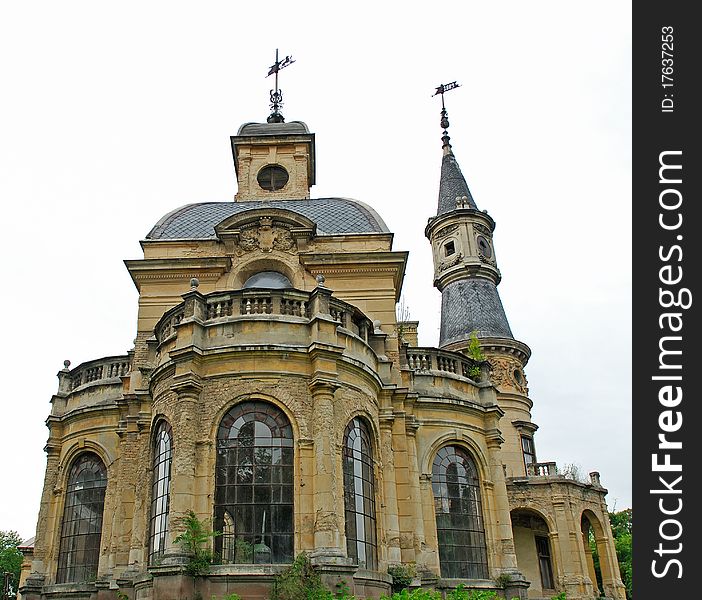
(113, 114)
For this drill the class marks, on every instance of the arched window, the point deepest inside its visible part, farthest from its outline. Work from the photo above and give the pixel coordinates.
(79, 548)
(269, 280)
(160, 496)
(254, 485)
(359, 495)
(459, 517)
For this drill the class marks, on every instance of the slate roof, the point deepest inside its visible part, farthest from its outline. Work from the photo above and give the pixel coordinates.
(452, 185)
(332, 216)
(469, 305)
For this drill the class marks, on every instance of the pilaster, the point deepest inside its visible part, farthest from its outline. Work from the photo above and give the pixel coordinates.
(329, 545)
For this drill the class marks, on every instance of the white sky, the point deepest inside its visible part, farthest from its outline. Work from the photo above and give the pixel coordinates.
(113, 114)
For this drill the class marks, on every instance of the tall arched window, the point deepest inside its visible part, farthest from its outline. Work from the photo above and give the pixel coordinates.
(459, 517)
(79, 548)
(359, 494)
(160, 496)
(254, 485)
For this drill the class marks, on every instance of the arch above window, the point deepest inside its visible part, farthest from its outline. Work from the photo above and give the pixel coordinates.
(81, 527)
(459, 518)
(268, 279)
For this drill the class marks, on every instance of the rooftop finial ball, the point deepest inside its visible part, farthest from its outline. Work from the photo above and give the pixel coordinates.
(66, 364)
(194, 282)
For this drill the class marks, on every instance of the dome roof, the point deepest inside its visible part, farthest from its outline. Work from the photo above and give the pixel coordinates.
(332, 215)
(292, 128)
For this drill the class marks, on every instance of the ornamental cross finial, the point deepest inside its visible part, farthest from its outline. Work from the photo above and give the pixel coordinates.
(277, 94)
(442, 89)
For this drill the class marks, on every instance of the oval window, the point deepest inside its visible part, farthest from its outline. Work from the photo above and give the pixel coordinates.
(272, 178)
(484, 246)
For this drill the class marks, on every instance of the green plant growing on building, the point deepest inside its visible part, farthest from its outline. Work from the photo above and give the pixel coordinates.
(194, 540)
(475, 352)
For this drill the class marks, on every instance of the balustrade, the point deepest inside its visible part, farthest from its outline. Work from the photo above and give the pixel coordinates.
(431, 359)
(106, 368)
(543, 469)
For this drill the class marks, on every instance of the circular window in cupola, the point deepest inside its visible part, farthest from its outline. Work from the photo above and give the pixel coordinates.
(484, 246)
(272, 178)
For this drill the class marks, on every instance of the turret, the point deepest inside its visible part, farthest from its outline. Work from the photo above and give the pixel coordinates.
(466, 274)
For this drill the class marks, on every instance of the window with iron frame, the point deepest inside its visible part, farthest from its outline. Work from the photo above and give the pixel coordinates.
(460, 526)
(253, 506)
(81, 526)
(160, 490)
(359, 495)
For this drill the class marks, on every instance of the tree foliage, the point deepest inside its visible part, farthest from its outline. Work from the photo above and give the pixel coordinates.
(10, 558)
(621, 531)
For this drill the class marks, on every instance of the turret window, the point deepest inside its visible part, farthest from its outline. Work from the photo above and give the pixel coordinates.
(529, 452)
(459, 516)
(272, 178)
(484, 246)
(449, 249)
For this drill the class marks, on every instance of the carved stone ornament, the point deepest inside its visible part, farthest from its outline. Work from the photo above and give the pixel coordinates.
(265, 230)
(451, 263)
(503, 374)
(482, 229)
(442, 233)
(265, 238)
(485, 259)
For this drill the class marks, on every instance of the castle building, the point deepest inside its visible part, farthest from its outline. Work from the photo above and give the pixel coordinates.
(273, 392)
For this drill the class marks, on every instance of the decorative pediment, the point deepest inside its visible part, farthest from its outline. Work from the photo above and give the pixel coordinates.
(266, 230)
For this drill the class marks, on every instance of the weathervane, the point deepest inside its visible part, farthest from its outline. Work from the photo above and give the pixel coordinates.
(276, 94)
(442, 89)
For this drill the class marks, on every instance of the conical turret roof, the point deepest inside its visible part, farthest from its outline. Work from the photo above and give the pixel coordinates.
(453, 185)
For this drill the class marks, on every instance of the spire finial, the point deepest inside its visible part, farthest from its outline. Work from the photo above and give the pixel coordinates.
(444, 114)
(276, 94)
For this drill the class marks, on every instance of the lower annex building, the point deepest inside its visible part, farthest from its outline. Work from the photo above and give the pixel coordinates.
(273, 392)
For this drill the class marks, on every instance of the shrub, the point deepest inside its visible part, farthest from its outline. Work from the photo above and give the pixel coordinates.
(402, 575)
(462, 593)
(417, 594)
(300, 581)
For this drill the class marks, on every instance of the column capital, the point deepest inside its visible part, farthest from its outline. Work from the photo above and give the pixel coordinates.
(323, 385)
(188, 386)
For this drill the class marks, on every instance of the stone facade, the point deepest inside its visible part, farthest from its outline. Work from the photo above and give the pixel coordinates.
(320, 351)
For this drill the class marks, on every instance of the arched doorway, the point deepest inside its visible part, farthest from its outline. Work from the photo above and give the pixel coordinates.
(535, 554)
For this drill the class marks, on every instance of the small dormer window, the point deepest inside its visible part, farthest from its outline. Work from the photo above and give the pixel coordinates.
(449, 249)
(272, 178)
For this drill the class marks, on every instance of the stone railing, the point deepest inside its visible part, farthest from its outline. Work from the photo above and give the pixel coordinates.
(167, 325)
(254, 302)
(542, 469)
(99, 370)
(431, 359)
